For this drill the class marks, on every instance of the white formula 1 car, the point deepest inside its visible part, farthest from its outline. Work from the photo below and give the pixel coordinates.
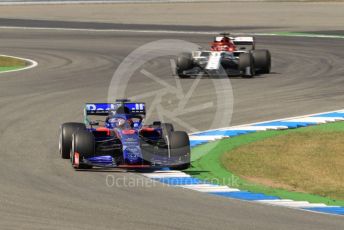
(227, 55)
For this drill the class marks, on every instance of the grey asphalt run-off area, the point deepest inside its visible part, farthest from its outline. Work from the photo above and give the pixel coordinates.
(38, 190)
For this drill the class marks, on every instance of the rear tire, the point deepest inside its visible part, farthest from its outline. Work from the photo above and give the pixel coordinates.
(184, 62)
(65, 137)
(246, 60)
(262, 60)
(84, 146)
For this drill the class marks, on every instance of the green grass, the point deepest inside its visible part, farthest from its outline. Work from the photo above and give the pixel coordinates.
(9, 63)
(10, 68)
(210, 167)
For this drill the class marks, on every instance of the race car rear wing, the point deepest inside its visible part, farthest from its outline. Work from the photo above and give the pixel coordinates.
(102, 109)
(244, 43)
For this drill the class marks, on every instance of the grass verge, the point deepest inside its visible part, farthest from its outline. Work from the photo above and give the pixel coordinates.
(10, 63)
(214, 166)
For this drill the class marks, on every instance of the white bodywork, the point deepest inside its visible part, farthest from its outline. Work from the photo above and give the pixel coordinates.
(214, 61)
(244, 42)
(242, 39)
(211, 60)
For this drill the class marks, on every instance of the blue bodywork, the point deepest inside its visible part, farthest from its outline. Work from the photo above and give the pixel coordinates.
(122, 140)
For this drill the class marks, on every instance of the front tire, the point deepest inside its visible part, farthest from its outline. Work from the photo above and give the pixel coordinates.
(262, 60)
(180, 147)
(181, 167)
(167, 129)
(184, 62)
(65, 137)
(247, 65)
(83, 146)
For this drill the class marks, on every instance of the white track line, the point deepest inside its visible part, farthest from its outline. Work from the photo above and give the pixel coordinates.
(255, 128)
(209, 188)
(293, 204)
(318, 120)
(207, 138)
(165, 175)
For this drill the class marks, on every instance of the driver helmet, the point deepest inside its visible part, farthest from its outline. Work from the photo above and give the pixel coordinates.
(225, 40)
(119, 121)
(123, 110)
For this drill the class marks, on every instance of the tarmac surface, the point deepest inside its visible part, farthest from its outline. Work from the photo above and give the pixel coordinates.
(41, 191)
(273, 16)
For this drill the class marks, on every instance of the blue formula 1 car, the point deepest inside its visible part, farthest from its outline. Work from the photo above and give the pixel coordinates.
(121, 139)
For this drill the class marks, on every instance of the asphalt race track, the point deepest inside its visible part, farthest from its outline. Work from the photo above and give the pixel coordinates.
(41, 191)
